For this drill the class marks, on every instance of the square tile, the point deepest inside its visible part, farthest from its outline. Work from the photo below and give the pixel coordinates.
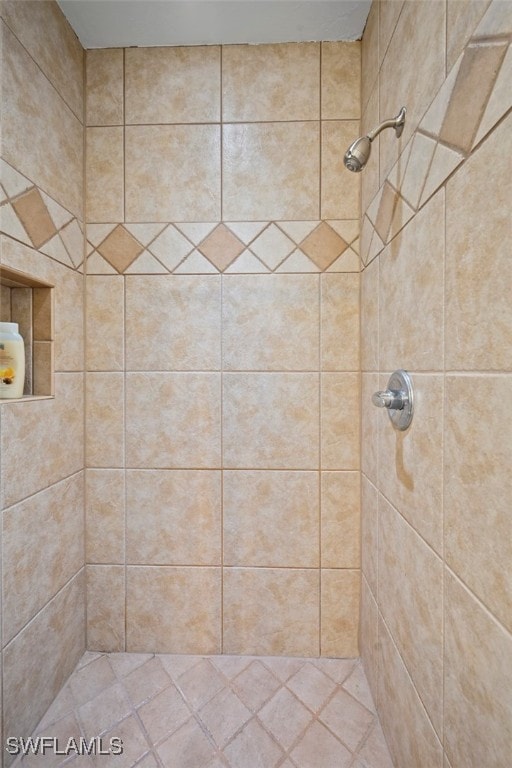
(270, 322)
(200, 683)
(311, 686)
(340, 188)
(180, 317)
(285, 717)
(104, 93)
(172, 173)
(105, 607)
(339, 322)
(173, 420)
(270, 171)
(340, 520)
(104, 172)
(221, 247)
(320, 747)
(146, 681)
(120, 248)
(339, 425)
(224, 715)
(255, 685)
(253, 748)
(173, 610)
(270, 518)
(270, 420)
(164, 714)
(340, 596)
(341, 80)
(323, 245)
(348, 719)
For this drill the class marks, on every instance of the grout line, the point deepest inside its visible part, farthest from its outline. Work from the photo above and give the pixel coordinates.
(320, 564)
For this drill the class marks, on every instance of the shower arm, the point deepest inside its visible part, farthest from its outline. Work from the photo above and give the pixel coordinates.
(396, 122)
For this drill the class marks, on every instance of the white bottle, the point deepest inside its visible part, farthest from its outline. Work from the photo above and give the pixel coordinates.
(12, 362)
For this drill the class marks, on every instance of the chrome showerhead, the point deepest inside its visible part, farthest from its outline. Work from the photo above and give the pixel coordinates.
(357, 154)
(359, 151)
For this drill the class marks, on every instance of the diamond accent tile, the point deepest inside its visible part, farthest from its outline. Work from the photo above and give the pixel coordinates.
(246, 231)
(323, 245)
(12, 181)
(55, 249)
(500, 100)
(171, 247)
(144, 233)
(146, 264)
(96, 233)
(347, 229)
(97, 265)
(348, 262)
(59, 215)
(444, 162)
(297, 262)
(196, 264)
(120, 248)
(195, 232)
(72, 237)
(298, 230)
(272, 246)
(246, 263)
(34, 216)
(422, 151)
(387, 205)
(473, 86)
(221, 247)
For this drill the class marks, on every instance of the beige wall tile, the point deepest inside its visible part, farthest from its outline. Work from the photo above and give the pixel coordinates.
(40, 424)
(34, 216)
(270, 420)
(104, 345)
(411, 586)
(478, 312)
(173, 420)
(173, 517)
(173, 610)
(47, 36)
(340, 613)
(42, 550)
(478, 445)
(68, 319)
(271, 518)
(409, 733)
(341, 81)
(105, 174)
(270, 82)
(42, 308)
(370, 54)
(340, 520)
(368, 635)
(105, 608)
(105, 87)
(104, 398)
(340, 393)
(104, 516)
(340, 188)
(173, 323)
(419, 36)
(270, 322)
(370, 179)
(369, 532)
(43, 368)
(284, 623)
(411, 330)
(371, 423)
(173, 173)
(173, 85)
(37, 663)
(477, 684)
(340, 322)
(411, 461)
(271, 171)
(389, 12)
(32, 110)
(462, 18)
(370, 317)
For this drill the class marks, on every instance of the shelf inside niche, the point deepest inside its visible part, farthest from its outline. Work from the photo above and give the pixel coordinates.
(28, 301)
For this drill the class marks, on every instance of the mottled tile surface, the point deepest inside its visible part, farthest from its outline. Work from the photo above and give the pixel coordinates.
(218, 712)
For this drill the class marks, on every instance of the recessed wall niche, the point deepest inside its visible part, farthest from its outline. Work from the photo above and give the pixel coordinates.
(28, 301)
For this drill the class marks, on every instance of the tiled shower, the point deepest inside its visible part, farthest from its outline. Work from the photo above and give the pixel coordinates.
(205, 473)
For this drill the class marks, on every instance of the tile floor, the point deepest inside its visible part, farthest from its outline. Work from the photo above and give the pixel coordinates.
(217, 712)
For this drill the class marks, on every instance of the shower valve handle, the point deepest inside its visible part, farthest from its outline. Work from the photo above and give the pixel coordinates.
(390, 398)
(398, 399)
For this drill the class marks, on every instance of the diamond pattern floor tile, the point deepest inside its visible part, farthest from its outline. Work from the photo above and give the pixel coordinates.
(178, 711)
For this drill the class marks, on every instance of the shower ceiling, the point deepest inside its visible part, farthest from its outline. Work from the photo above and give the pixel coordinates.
(121, 23)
